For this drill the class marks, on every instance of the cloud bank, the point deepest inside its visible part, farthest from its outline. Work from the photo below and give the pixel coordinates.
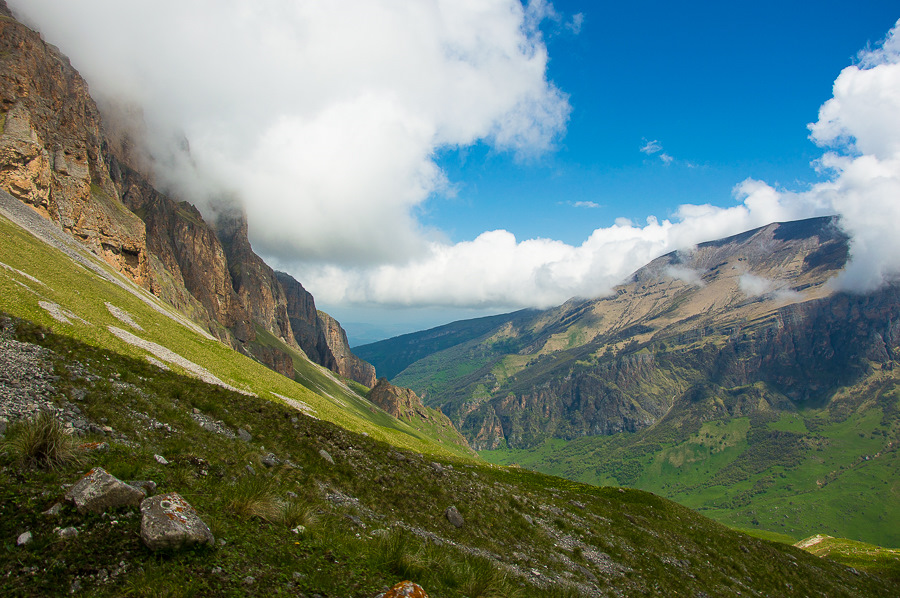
(324, 119)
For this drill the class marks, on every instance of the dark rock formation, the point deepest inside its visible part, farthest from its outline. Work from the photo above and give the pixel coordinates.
(305, 324)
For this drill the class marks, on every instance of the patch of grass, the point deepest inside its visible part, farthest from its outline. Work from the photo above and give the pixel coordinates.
(42, 442)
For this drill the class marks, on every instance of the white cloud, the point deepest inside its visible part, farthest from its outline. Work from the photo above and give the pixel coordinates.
(587, 204)
(323, 117)
(755, 286)
(651, 147)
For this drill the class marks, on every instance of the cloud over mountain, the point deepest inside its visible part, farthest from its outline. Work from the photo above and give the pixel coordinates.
(324, 119)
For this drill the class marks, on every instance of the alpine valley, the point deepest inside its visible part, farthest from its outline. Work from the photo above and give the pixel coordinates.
(150, 359)
(729, 377)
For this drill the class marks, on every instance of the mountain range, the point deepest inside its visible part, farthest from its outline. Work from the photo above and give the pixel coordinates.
(737, 357)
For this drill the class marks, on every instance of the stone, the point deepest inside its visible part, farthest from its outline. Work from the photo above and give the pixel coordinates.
(24, 538)
(453, 516)
(249, 580)
(161, 460)
(68, 533)
(244, 435)
(54, 510)
(169, 522)
(528, 519)
(270, 460)
(250, 469)
(98, 491)
(405, 589)
(324, 454)
(437, 467)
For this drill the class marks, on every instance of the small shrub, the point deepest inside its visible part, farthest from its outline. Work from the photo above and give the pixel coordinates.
(42, 442)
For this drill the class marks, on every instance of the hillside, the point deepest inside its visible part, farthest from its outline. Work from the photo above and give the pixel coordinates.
(729, 377)
(299, 506)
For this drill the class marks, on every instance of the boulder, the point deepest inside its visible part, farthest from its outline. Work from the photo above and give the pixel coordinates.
(325, 455)
(98, 491)
(169, 522)
(405, 589)
(453, 516)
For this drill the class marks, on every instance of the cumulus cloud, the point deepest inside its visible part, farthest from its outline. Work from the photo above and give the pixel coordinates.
(322, 117)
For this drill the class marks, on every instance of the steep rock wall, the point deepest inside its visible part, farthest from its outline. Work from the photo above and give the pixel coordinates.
(53, 154)
(348, 364)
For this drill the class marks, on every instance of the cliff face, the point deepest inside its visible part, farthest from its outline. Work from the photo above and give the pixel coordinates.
(53, 155)
(348, 364)
(56, 157)
(305, 324)
(399, 402)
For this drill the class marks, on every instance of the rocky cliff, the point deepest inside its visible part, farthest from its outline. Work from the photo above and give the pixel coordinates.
(348, 364)
(57, 156)
(53, 154)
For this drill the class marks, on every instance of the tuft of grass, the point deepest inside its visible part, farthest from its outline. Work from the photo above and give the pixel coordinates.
(42, 442)
(482, 578)
(295, 512)
(255, 496)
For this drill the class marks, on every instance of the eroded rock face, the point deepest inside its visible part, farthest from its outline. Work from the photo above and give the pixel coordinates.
(53, 154)
(348, 364)
(168, 522)
(99, 491)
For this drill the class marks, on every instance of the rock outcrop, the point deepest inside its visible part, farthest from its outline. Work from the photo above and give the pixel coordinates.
(402, 403)
(348, 364)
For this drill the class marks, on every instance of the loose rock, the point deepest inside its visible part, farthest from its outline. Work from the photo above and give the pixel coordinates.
(161, 460)
(324, 454)
(168, 521)
(68, 533)
(453, 516)
(98, 491)
(244, 435)
(24, 538)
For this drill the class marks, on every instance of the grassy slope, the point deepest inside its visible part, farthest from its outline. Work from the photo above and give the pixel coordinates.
(603, 541)
(817, 471)
(84, 293)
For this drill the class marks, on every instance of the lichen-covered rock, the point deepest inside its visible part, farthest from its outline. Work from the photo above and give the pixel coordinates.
(405, 589)
(98, 491)
(169, 522)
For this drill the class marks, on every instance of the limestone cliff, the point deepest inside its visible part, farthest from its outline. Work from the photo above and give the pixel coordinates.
(348, 364)
(53, 154)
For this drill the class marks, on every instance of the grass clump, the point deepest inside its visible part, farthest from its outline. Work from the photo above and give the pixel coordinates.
(42, 442)
(255, 496)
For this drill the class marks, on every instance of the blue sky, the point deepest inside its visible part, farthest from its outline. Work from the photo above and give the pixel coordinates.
(415, 163)
(726, 89)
